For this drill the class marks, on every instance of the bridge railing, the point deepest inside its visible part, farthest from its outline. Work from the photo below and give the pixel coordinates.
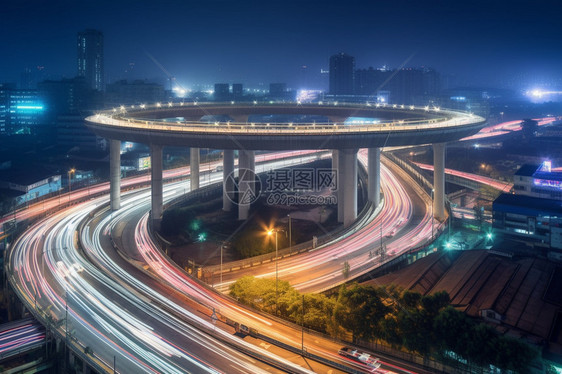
(440, 119)
(290, 128)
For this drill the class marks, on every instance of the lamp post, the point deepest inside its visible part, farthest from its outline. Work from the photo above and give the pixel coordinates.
(269, 233)
(302, 327)
(70, 173)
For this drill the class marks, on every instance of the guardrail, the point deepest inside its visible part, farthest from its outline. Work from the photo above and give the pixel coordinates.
(228, 267)
(448, 119)
(76, 346)
(298, 129)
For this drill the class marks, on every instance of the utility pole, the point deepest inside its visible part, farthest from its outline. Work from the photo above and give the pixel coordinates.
(276, 275)
(302, 327)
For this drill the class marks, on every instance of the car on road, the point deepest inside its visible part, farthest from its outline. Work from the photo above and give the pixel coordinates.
(359, 356)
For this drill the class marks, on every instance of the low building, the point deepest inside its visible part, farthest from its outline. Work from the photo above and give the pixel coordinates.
(520, 297)
(534, 221)
(27, 186)
(532, 215)
(538, 181)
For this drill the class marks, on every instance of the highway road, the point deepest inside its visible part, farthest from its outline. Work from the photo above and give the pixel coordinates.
(505, 128)
(20, 336)
(47, 206)
(408, 225)
(114, 320)
(120, 316)
(494, 183)
(403, 220)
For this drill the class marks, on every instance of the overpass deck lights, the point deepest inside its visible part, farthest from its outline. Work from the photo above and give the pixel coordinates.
(123, 118)
(399, 125)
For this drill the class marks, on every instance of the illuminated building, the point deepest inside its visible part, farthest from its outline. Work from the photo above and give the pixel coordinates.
(533, 215)
(342, 68)
(21, 110)
(538, 181)
(90, 58)
(27, 185)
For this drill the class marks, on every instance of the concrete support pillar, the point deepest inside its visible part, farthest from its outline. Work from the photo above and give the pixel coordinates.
(156, 184)
(252, 167)
(115, 174)
(439, 181)
(374, 175)
(194, 159)
(243, 185)
(227, 183)
(348, 166)
(339, 176)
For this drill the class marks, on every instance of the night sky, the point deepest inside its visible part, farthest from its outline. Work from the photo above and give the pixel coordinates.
(257, 42)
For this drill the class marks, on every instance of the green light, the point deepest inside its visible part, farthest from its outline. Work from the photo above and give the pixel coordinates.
(448, 245)
(195, 225)
(489, 236)
(202, 237)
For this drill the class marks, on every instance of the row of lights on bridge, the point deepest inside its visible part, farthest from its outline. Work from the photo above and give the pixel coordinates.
(170, 104)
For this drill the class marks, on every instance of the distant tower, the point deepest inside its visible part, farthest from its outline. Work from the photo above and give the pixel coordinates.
(90, 58)
(342, 67)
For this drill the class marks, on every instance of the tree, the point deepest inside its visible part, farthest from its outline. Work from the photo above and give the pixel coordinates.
(513, 354)
(364, 311)
(451, 328)
(391, 331)
(481, 344)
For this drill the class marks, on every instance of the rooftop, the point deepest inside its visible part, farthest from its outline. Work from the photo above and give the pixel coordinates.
(26, 176)
(527, 170)
(524, 291)
(526, 205)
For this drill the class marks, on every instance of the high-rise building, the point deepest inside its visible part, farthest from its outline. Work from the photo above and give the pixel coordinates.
(342, 68)
(222, 92)
(67, 102)
(90, 58)
(64, 96)
(237, 91)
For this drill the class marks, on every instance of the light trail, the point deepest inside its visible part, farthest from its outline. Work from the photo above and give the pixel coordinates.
(505, 128)
(115, 330)
(498, 185)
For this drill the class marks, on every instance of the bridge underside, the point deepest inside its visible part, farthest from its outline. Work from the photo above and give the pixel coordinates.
(395, 127)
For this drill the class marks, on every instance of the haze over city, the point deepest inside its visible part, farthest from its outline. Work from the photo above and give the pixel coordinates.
(512, 44)
(281, 187)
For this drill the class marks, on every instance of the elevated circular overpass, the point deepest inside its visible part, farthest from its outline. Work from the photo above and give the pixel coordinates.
(246, 127)
(182, 125)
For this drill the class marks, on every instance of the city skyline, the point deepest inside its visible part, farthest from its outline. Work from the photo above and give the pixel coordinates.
(512, 46)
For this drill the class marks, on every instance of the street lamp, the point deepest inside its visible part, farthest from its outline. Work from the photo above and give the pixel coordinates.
(269, 233)
(70, 173)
